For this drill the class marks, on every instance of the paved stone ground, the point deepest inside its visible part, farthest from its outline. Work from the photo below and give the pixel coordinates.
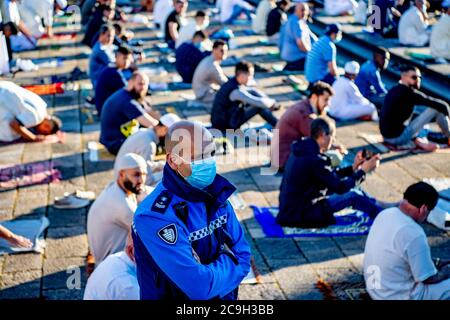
(289, 268)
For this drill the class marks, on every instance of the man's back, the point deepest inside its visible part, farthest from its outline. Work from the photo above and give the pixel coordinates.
(113, 279)
(118, 119)
(188, 56)
(109, 220)
(396, 257)
(207, 74)
(440, 38)
(411, 26)
(322, 52)
(223, 106)
(293, 125)
(110, 80)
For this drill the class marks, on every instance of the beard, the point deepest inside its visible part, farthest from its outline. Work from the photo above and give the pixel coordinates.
(136, 189)
(139, 96)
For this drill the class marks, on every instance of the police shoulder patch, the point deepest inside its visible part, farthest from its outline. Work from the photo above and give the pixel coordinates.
(169, 234)
(162, 202)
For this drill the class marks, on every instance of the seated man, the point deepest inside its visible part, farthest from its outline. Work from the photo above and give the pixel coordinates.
(23, 38)
(102, 53)
(115, 277)
(295, 123)
(296, 39)
(112, 78)
(188, 242)
(102, 15)
(23, 114)
(262, 13)
(110, 216)
(144, 143)
(390, 13)
(399, 106)
(230, 10)
(369, 79)
(189, 55)
(348, 103)
(209, 76)
(277, 17)
(173, 23)
(340, 7)
(38, 15)
(397, 257)
(440, 35)
(235, 103)
(412, 28)
(124, 111)
(311, 192)
(187, 31)
(321, 60)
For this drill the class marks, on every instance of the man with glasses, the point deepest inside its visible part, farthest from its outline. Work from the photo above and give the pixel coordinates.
(399, 106)
(188, 242)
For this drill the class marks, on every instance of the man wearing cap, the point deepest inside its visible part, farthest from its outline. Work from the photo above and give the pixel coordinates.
(111, 214)
(321, 59)
(348, 103)
(38, 15)
(187, 239)
(145, 142)
(440, 34)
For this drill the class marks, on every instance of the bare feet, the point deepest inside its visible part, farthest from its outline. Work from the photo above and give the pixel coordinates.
(426, 145)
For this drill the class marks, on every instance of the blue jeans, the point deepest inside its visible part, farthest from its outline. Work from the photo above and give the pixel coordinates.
(352, 199)
(237, 11)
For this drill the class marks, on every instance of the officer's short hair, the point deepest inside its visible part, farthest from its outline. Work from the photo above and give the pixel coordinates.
(322, 125)
(421, 193)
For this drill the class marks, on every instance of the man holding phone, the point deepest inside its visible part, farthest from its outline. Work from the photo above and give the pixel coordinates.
(311, 191)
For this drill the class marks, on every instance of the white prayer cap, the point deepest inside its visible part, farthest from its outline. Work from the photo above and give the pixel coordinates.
(169, 119)
(130, 161)
(61, 3)
(352, 67)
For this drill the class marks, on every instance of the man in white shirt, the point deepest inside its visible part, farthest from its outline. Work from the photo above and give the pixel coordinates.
(262, 13)
(187, 31)
(161, 11)
(440, 35)
(39, 14)
(23, 114)
(230, 10)
(412, 28)
(144, 143)
(111, 214)
(115, 278)
(340, 7)
(348, 103)
(397, 257)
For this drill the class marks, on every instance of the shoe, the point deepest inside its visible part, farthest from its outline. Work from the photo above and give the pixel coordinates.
(437, 137)
(76, 200)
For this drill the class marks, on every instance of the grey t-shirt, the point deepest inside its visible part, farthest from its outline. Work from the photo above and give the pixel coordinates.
(207, 75)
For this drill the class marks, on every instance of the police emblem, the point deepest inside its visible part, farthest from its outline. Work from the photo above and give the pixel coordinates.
(169, 234)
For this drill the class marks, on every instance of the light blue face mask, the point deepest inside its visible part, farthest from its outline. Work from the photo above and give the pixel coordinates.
(203, 173)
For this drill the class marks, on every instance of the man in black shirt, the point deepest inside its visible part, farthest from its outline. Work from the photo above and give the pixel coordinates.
(277, 16)
(173, 23)
(398, 108)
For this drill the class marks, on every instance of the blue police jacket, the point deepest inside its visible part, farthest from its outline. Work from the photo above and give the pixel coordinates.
(179, 235)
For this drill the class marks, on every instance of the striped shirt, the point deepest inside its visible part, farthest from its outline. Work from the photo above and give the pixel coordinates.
(322, 52)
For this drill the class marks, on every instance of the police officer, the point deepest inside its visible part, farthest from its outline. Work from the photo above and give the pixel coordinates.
(188, 241)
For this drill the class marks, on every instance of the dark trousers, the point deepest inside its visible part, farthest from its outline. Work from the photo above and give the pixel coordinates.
(352, 199)
(297, 65)
(243, 114)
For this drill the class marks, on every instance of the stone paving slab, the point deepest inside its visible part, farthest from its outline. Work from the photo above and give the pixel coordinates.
(289, 268)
